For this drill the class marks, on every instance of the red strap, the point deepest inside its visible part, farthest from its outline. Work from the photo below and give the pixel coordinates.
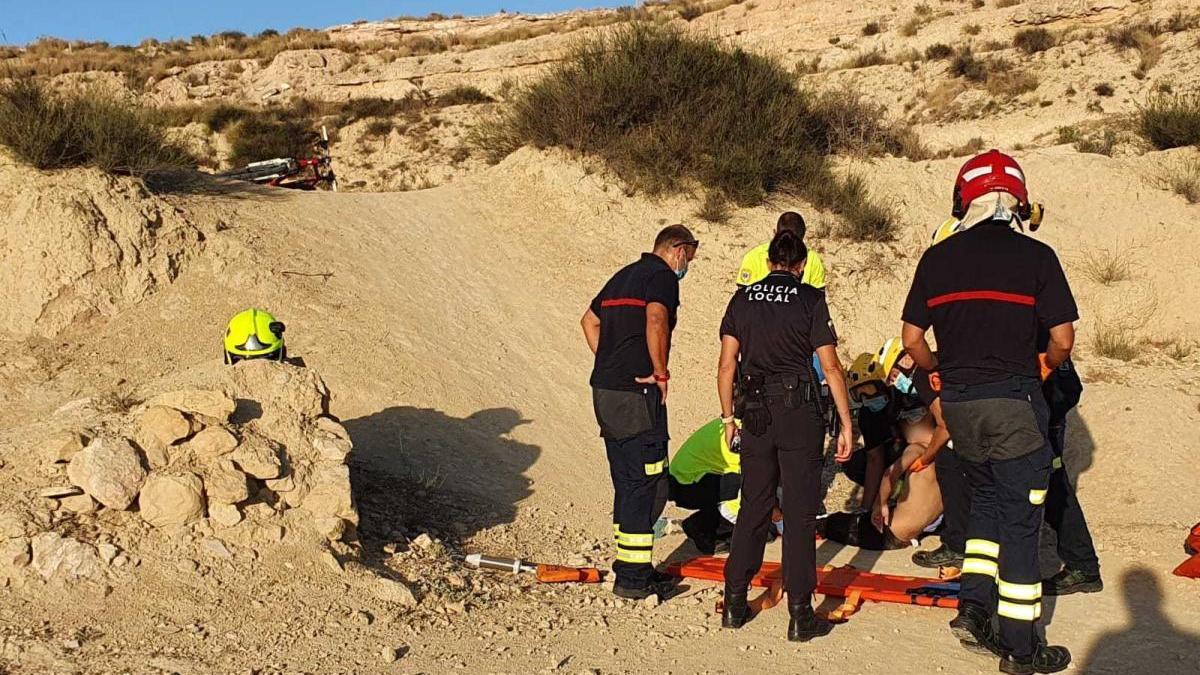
(998, 296)
(623, 302)
(662, 378)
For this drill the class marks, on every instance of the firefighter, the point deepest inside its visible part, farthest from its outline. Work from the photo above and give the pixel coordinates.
(628, 328)
(254, 334)
(773, 327)
(1062, 389)
(755, 265)
(987, 292)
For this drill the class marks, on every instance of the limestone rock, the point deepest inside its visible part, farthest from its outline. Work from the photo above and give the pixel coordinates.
(330, 493)
(257, 459)
(211, 404)
(57, 556)
(213, 442)
(79, 504)
(14, 553)
(161, 426)
(59, 448)
(168, 499)
(108, 553)
(396, 592)
(110, 470)
(226, 515)
(225, 484)
(60, 491)
(332, 426)
(331, 448)
(330, 527)
(13, 525)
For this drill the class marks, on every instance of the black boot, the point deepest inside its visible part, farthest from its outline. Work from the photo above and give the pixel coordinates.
(941, 556)
(973, 628)
(1069, 581)
(805, 624)
(737, 610)
(1047, 659)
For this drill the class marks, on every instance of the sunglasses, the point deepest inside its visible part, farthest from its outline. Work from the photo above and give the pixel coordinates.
(694, 242)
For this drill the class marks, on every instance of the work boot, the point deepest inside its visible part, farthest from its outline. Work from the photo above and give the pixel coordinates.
(703, 542)
(805, 624)
(1047, 659)
(973, 628)
(736, 611)
(941, 556)
(665, 590)
(1069, 581)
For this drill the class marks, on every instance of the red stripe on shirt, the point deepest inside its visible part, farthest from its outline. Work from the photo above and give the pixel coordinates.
(623, 302)
(998, 296)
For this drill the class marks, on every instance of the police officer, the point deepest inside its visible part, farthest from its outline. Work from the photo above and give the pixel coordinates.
(628, 328)
(774, 326)
(987, 292)
(755, 265)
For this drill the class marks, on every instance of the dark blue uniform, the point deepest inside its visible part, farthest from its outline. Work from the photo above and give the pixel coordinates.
(632, 416)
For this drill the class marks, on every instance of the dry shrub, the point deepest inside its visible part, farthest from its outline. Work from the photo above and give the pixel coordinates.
(939, 51)
(1183, 179)
(1011, 83)
(378, 127)
(666, 112)
(972, 29)
(967, 66)
(912, 26)
(1171, 120)
(872, 28)
(1033, 40)
(1103, 89)
(463, 95)
(89, 128)
(1106, 267)
(1001, 4)
(715, 209)
(875, 57)
(1116, 342)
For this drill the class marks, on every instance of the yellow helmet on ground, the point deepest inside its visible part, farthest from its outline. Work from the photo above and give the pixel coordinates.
(254, 334)
(888, 355)
(944, 231)
(864, 369)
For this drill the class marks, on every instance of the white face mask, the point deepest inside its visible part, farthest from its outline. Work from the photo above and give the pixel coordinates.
(911, 416)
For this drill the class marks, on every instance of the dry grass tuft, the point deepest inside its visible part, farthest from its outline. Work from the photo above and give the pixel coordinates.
(1116, 342)
(1183, 179)
(715, 209)
(1106, 267)
(1034, 40)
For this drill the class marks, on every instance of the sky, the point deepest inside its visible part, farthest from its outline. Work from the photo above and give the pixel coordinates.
(130, 21)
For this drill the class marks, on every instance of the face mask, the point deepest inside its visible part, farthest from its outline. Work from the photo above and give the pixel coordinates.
(681, 273)
(903, 384)
(875, 404)
(911, 416)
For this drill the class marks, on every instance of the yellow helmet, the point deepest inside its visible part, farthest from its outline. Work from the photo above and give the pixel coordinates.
(944, 231)
(888, 355)
(253, 334)
(864, 369)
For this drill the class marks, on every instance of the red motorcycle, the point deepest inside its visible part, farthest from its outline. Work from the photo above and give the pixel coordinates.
(305, 173)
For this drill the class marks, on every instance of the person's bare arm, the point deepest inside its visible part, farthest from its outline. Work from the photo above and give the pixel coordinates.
(658, 343)
(591, 329)
(917, 347)
(726, 371)
(873, 476)
(836, 378)
(1062, 341)
(941, 436)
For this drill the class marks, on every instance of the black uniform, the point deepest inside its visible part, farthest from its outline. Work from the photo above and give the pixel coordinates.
(632, 416)
(779, 323)
(987, 293)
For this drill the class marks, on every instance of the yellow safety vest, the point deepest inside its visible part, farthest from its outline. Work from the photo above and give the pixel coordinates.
(755, 268)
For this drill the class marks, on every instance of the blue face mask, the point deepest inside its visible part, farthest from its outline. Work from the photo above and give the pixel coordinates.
(875, 404)
(681, 273)
(903, 384)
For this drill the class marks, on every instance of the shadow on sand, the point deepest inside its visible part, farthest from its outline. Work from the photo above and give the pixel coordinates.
(1150, 642)
(420, 470)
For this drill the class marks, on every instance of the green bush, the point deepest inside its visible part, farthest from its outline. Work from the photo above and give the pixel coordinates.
(1033, 40)
(49, 131)
(1171, 120)
(668, 111)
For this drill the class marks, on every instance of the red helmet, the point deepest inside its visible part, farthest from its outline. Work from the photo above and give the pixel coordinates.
(993, 171)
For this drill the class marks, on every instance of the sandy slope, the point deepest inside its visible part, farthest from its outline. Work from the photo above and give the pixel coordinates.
(445, 323)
